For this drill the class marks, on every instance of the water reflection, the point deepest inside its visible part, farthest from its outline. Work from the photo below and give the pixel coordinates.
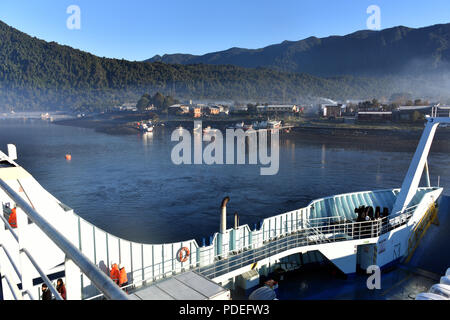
(324, 152)
(147, 138)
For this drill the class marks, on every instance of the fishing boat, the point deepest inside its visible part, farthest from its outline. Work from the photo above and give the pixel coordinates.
(273, 124)
(146, 127)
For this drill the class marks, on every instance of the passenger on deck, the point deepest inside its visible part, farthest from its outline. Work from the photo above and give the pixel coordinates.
(61, 288)
(13, 218)
(377, 213)
(123, 280)
(370, 213)
(114, 273)
(46, 293)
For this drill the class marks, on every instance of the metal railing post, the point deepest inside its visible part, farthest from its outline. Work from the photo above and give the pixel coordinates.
(26, 269)
(74, 287)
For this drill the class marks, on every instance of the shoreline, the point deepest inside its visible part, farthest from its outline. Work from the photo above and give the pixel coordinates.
(381, 137)
(118, 125)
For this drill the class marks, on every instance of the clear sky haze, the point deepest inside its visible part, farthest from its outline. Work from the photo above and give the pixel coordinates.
(140, 29)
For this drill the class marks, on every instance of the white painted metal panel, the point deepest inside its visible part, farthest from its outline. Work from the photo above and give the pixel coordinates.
(137, 262)
(87, 239)
(113, 249)
(102, 259)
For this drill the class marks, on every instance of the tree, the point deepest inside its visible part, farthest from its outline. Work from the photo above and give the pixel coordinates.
(158, 100)
(251, 108)
(417, 116)
(143, 103)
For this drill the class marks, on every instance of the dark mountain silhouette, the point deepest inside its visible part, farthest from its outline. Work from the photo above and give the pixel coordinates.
(363, 53)
(36, 75)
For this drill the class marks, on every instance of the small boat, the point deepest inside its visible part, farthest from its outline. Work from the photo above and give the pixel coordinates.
(146, 127)
(150, 126)
(274, 124)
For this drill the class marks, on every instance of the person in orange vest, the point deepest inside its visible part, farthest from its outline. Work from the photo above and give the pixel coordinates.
(114, 273)
(13, 218)
(123, 280)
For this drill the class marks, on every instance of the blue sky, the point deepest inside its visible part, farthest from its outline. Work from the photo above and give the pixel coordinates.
(139, 29)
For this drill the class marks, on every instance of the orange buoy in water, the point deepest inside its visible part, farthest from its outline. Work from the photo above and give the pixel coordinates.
(68, 157)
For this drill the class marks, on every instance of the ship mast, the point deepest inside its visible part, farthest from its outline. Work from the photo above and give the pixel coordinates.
(419, 161)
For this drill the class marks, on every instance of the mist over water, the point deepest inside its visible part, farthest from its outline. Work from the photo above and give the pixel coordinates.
(127, 185)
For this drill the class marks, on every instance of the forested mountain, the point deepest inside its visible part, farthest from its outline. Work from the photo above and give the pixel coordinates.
(363, 53)
(36, 75)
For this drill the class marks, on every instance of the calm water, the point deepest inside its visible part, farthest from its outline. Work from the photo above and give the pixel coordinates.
(128, 185)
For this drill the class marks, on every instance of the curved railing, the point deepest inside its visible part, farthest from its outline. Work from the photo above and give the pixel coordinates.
(101, 281)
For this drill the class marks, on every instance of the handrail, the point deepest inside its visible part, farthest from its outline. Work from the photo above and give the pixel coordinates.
(14, 234)
(11, 261)
(42, 274)
(300, 239)
(98, 277)
(14, 290)
(317, 232)
(292, 240)
(28, 293)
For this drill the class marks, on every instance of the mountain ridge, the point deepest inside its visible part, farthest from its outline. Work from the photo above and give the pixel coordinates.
(37, 75)
(361, 53)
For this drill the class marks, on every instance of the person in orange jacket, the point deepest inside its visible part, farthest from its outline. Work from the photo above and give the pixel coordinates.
(123, 280)
(13, 218)
(114, 273)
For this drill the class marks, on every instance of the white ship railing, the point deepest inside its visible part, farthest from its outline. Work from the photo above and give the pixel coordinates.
(319, 231)
(306, 237)
(440, 112)
(108, 288)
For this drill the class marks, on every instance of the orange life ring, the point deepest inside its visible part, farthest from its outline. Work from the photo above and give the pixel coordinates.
(183, 254)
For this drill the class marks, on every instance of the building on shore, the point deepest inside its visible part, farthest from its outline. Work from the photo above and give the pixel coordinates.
(411, 113)
(177, 109)
(374, 116)
(213, 110)
(332, 111)
(197, 111)
(274, 108)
